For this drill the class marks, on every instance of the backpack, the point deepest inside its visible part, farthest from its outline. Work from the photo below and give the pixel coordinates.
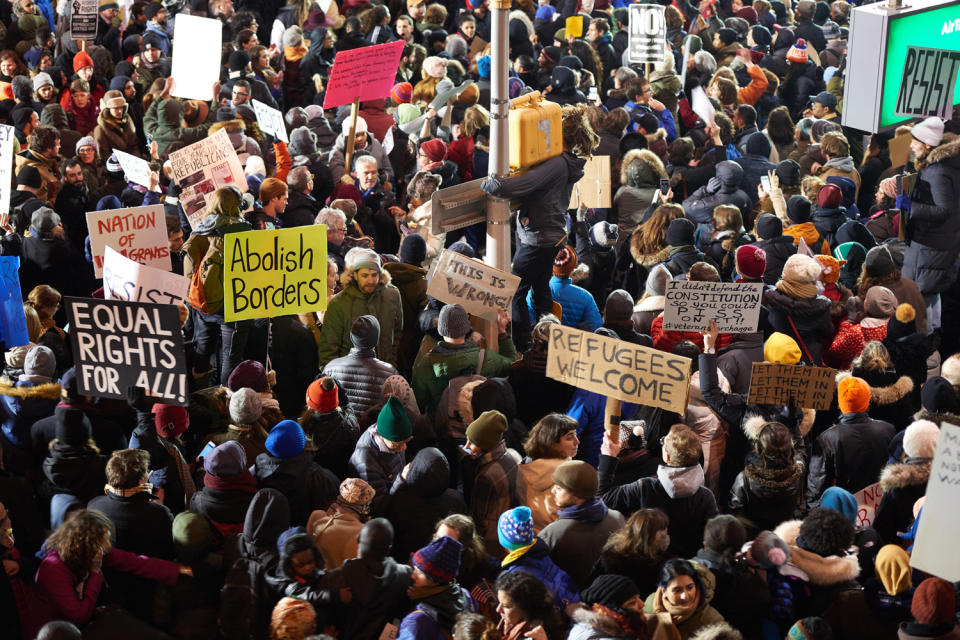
(450, 413)
(206, 283)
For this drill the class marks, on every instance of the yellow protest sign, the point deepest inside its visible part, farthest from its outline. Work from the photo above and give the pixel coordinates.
(574, 27)
(274, 272)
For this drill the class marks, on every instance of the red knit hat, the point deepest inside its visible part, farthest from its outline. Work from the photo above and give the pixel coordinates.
(323, 395)
(434, 149)
(81, 60)
(751, 261)
(829, 196)
(853, 395)
(565, 262)
(402, 92)
(933, 602)
(170, 420)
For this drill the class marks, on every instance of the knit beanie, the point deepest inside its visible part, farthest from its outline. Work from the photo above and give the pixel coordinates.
(657, 280)
(487, 430)
(788, 171)
(170, 420)
(841, 501)
(879, 302)
(934, 602)
(829, 197)
(40, 361)
(413, 249)
(365, 332)
(802, 269)
(292, 618)
(577, 477)
(820, 128)
(879, 262)
(903, 323)
(751, 261)
(434, 149)
(483, 67)
(929, 132)
(439, 560)
(463, 249)
(323, 395)
(362, 258)
(192, 535)
(799, 210)
(781, 349)
(950, 369)
(250, 374)
(920, 439)
(618, 308)
(434, 67)
(565, 262)
(853, 395)
(238, 60)
(830, 268)
(610, 590)
(42, 79)
(798, 52)
(453, 322)
(811, 628)
(393, 423)
(680, 232)
(226, 460)
(402, 93)
(727, 36)
(81, 60)
(937, 396)
(603, 235)
(286, 440)
(73, 427)
(515, 528)
(245, 407)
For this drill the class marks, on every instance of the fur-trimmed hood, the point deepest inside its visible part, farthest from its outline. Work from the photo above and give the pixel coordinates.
(598, 621)
(646, 259)
(774, 479)
(231, 126)
(659, 134)
(936, 417)
(949, 148)
(884, 396)
(46, 390)
(905, 474)
(651, 303)
(823, 572)
(753, 424)
(346, 278)
(716, 631)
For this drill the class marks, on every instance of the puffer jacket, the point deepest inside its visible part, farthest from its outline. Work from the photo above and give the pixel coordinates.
(828, 221)
(23, 403)
(244, 145)
(535, 560)
(162, 121)
(724, 188)
(351, 303)
(579, 308)
(379, 468)
(891, 395)
(335, 436)
(361, 375)
(811, 316)
(373, 147)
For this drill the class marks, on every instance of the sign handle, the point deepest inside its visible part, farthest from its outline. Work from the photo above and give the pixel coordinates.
(348, 157)
(646, 71)
(611, 418)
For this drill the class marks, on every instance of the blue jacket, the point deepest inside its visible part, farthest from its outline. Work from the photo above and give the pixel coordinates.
(579, 308)
(587, 407)
(23, 404)
(164, 38)
(665, 117)
(434, 616)
(536, 561)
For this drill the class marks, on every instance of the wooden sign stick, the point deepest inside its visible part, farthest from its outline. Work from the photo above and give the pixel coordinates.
(348, 156)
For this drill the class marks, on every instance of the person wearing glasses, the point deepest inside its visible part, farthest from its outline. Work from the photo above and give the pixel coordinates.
(336, 221)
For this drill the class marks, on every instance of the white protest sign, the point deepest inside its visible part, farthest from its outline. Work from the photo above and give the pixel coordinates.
(701, 105)
(6, 166)
(83, 19)
(270, 120)
(934, 550)
(203, 167)
(648, 33)
(136, 169)
(139, 233)
(477, 287)
(868, 499)
(926, 88)
(691, 305)
(196, 56)
(124, 279)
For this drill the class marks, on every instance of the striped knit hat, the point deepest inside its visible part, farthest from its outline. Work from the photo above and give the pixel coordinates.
(439, 560)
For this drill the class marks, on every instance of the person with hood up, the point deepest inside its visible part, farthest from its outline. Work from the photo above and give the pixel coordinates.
(166, 121)
(685, 591)
(797, 309)
(300, 574)
(115, 128)
(336, 529)
(934, 612)
(755, 163)
(74, 465)
(33, 396)
(905, 482)
(228, 488)
(890, 591)
(360, 373)
(640, 175)
(683, 253)
(677, 490)
(563, 87)
(881, 268)
(829, 215)
(379, 455)
(723, 188)
(438, 596)
(363, 141)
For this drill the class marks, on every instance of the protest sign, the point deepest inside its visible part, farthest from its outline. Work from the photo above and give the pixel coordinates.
(618, 369)
(6, 166)
(367, 73)
(270, 120)
(792, 384)
(196, 56)
(203, 167)
(868, 499)
(593, 189)
(83, 19)
(477, 287)
(647, 32)
(118, 344)
(900, 149)
(124, 279)
(574, 27)
(926, 88)
(139, 233)
(934, 549)
(136, 169)
(702, 106)
(274, 272)
(13, 323)
(691, 305)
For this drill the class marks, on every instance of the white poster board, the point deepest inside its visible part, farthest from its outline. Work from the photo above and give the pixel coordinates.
(868, 499)
(934, 549)
(139, 233)
(83, 19)
(691, 305)
(270, 120)
(137, 170)
(203, 167)
(196, 56)
(648, 33)
(124, 279)
(6, 166)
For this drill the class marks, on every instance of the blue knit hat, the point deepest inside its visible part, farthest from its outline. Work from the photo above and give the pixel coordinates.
(483, 67)
(439, 560)
(286, 440)
(840, 500)
(515, 528)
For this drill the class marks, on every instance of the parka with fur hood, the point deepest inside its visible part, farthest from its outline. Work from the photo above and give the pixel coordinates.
(640, 175)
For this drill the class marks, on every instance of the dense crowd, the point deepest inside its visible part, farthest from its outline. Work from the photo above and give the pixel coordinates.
(382, 469)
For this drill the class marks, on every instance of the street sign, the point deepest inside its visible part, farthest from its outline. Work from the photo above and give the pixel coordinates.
(648, 33)
(458, 206)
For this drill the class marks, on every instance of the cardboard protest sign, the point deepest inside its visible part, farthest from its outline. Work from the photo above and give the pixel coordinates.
(691, 305)
(139, 233)
(6, 166)
(900, 149)
(647, 32)
(593, 189)
(118, 344)
(618, 369)
(274, 272)
(196, 56)
(477, 287)
(926, 88)
(868, 499)
(792, 384)
(934, 549)
(136, 169)
(203, 167)
(13, 323)
(124, 279)
(270, 120)
(367, 73)
(83, 19)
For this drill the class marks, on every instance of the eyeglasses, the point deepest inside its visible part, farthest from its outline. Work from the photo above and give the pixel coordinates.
(338, 229)
(241, 94)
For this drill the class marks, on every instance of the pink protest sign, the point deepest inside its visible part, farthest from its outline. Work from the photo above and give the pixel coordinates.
(367, 73)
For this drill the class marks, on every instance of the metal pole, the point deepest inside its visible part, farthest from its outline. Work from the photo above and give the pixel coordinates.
(498, 209)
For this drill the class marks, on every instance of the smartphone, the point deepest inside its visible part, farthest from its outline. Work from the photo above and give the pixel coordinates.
(592, 94)
(664, 186)
(465, 451)
(206, 450)
(765, 181)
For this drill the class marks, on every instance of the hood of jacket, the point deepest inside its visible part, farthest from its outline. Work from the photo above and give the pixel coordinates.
(844, 164)
(767, 481)
(267, 517)
(798, 307)
(948, 152)
(24, 389)
(646, 259)
(823, 572)
(882, 396)
(405, 273)
(495, 393)
(443, 607)
(730, 174)
(429, 473)
(905, 474)
(829, 220)
(854, 231)
(236, 129)
(286, 473)
(680, 482)
(937, 416)
(372, 145)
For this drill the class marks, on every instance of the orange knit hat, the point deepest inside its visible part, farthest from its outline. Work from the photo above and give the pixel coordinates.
(853, 394)
(831, 268)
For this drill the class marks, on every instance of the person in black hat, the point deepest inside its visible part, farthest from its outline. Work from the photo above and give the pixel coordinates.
(360, 373)
(24, 200)
(778, 247)
(240, 68)
(156, 17)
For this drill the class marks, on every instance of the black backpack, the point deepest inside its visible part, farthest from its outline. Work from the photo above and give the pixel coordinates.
(243, 591)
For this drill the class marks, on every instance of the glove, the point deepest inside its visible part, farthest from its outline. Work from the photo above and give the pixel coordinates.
(714, 185)
(904, 202)
(137, 398)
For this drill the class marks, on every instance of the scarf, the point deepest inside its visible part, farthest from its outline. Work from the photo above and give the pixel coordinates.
(797, 290)
(677, 613)
(146, 487)
(241, 482)
(362, 510)
(627, 622)
(421, 593)
(294, 54)
(593, 510)
(686, 248)
(183, 469)
(516, 553)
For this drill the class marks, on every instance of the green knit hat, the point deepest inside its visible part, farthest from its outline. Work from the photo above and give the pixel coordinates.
(393, 423)
(487, 431)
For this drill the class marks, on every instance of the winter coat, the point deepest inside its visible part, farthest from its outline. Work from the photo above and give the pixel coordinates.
(764, 495)
(577, 536)
(890, 396)
(351, 303)
(903, 483)
(544, 191)
(704, 616)
(528, 378)
(335, 532)
(379, 468)
(811, 316)
(49, 174)
(111, 134)
(244, 145)
(828, 221)
(629, 206)
(293, 353)
(374, 148)
(361, 376)
(434, 616)
(778, 250)
(301, 210)
(667, 340)
(809, 233)
(801, 83)
(77, 471)
(682, 258)
(735, 361)
(379, 595)
(306, 484)
(843, 167)
(850, 339)
(411, 281)
(754, 167)
(141, 526)
(677, 491)
(534, 481)
(334, 435)
(535, 560)
(492, 482)
(917, 631)
(723, 189)
(224, 508)
(162, 122)
(579, 309)
(850, 455)
(22, 404)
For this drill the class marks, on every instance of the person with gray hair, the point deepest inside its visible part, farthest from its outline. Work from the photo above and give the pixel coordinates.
(302, 207)
(336, 221)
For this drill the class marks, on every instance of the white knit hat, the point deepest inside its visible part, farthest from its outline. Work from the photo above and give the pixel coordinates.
(362, 258)
(929, 132)
(361, 126)
(920, 439)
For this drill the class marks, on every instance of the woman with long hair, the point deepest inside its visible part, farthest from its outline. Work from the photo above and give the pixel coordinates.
(637, 550)
(767, 491)
(647, 247)
(552, 441)
(781, 131)
(45, 300)
(683, 595)
(524, 605)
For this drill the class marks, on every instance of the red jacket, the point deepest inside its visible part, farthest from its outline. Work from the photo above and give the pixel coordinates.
(667, 340)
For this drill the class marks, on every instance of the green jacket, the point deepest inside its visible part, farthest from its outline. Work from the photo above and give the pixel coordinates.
(351, 303)
(446, 361)
(163, 122)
